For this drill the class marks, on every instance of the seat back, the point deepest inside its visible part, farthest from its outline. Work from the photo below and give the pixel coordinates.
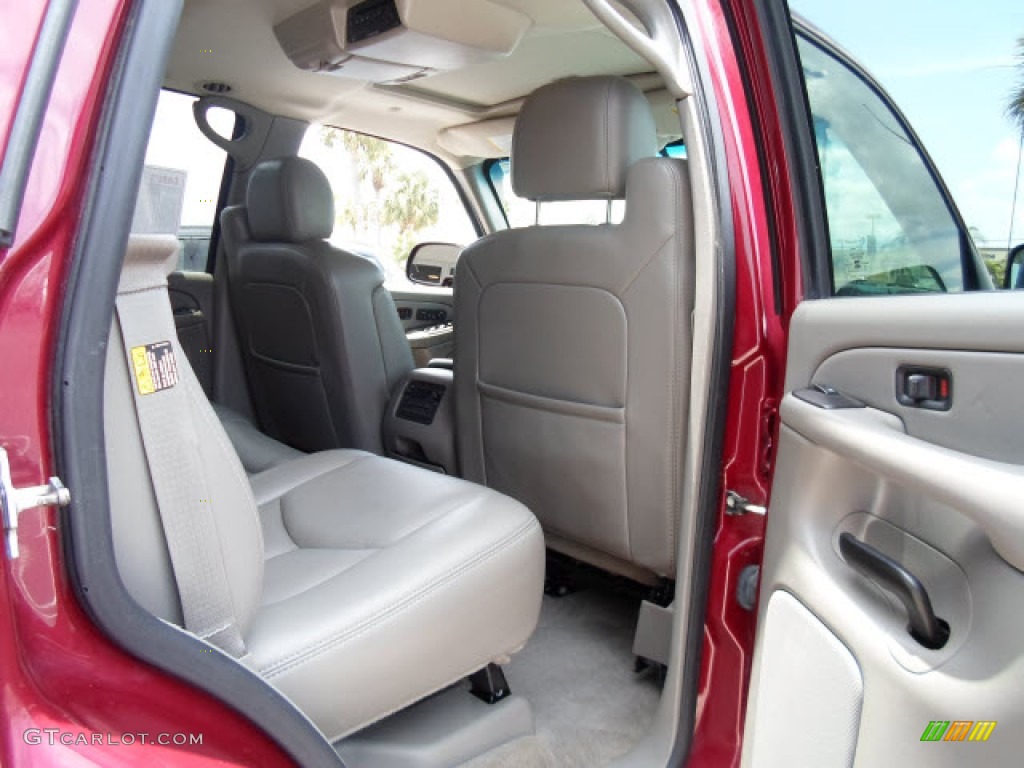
(320, 335)
(573, 342)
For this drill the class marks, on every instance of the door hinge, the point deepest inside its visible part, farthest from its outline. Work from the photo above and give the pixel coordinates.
(739, 505)
(14, 500)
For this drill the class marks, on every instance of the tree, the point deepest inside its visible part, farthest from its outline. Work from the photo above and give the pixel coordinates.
(406, 202)
(373, 162)
(1015, 109)
(411, 208)
(372, 157)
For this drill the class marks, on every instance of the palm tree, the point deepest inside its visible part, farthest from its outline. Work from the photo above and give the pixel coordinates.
(372, 161)
(1015, 109)
(411, 207)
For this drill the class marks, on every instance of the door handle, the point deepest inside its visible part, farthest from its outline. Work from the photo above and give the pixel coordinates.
(925, 627)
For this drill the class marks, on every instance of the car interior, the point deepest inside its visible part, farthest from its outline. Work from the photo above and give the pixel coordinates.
(414, 451)
(444, 518)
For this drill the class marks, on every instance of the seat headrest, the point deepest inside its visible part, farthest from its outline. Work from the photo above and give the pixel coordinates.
(575, 139)
(289, 200)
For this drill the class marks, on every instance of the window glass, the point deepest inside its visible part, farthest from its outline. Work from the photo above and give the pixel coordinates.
(181, 178)
(959, 80)
(524, 213)
(387, 197)
(890, 228)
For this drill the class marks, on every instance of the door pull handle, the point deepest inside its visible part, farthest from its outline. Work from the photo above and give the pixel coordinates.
(925, 627)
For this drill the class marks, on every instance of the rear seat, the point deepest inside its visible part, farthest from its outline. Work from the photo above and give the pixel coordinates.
(360, 584)
(257, 451)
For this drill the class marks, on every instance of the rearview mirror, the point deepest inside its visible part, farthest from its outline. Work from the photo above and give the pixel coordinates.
(1013, 278)
(433, 264)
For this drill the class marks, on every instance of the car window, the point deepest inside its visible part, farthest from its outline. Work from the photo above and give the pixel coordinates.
(181, 178)
(521, 212)
(891, 230)
(387, 197)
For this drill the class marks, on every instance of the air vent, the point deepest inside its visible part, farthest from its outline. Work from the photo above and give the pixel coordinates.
(212, 86)
(420, 401)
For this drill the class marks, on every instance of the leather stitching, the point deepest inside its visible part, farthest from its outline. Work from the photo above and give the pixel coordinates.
(629, 283)
(335, 572)
(607, 140)
(302, 479)
(291, 231)
(380, 340)
(437, 516)
(318, 649)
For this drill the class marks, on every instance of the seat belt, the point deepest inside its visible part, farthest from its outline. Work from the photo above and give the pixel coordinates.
(161, 380)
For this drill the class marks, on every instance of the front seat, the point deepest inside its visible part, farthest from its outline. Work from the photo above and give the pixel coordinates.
(573, 342)
(320, 335)
(358, 585)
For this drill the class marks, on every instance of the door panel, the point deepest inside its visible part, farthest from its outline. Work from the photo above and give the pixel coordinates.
(191, 295)
(937, 492)
(980, 380)
(427, 315)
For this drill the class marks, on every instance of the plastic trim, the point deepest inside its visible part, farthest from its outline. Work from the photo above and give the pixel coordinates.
(801, 151)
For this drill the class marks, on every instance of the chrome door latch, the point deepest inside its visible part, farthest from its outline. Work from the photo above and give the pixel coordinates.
(739, 505)
(14, 500)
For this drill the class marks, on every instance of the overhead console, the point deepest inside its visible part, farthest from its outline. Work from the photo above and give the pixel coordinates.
(396, 41)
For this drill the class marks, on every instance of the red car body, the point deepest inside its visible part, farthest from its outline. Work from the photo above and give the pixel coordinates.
(70, 696)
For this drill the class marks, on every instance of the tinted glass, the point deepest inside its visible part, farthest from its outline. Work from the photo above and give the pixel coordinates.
(524, 213)
(387, 197)
(890, 228)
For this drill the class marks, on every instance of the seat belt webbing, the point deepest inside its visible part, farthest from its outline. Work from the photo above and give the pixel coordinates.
(161, 393)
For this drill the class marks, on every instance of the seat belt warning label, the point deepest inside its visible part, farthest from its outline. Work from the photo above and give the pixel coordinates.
(155, 367)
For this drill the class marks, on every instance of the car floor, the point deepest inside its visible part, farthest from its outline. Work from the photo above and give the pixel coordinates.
(589, 706)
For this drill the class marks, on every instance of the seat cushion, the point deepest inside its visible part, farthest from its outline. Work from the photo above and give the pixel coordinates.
(384, 583)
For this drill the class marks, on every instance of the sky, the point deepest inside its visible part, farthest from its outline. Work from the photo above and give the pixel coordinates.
(950, 68)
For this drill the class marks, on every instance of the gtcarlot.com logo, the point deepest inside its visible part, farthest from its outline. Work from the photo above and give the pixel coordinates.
(958, 730)
(54, 736)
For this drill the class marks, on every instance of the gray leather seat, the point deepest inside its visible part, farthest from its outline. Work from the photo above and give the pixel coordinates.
(256, 451)
(320, 335)
(573, 342)
(360, 584)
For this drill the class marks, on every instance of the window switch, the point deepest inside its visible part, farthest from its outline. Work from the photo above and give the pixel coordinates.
(922, 386)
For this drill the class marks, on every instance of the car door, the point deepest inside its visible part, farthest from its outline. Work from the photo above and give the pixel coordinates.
(428, 316)
(892, 595)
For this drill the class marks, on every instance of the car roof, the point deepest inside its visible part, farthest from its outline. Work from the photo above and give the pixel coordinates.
(462, 114)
